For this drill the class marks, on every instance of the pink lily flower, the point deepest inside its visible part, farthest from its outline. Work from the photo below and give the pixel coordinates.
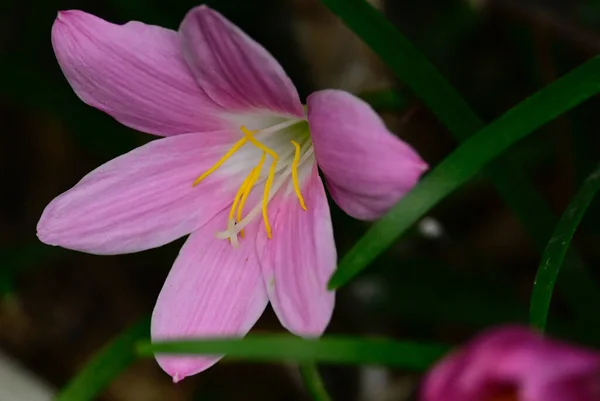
(236, 169)
(515, 364)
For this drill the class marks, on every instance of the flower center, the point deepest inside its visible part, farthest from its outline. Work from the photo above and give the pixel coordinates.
(508, 395)
(236, 223)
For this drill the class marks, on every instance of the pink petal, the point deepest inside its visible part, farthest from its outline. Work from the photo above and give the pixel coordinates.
(515, 358)
(367, 168)
(299, 259)
(234, 70)
(134, 72)
(143, 199)
(582, 387)
(212, 290)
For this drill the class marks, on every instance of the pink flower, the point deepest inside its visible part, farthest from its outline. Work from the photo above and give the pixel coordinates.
(515, 364)
(236, 169)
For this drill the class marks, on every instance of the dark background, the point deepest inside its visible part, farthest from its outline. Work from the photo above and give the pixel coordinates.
(57, 307)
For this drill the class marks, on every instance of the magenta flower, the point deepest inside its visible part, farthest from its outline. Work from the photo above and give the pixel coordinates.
(515, 364)
(236, 169)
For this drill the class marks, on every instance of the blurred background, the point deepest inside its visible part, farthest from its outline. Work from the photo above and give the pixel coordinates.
(468, 265)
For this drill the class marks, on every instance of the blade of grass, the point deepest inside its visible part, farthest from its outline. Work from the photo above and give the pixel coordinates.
(313, 382)
(277, 347)
(467, 160)
(413, 68)
(554, 255)
(108, 363)
(408, 64)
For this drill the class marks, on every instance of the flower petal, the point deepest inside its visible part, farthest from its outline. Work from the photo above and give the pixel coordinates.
(515, 359)
(145, 198)
(581, 387)
(212, 290)
(234, 70)
(300, 258)
(134, 72)
(367, 168)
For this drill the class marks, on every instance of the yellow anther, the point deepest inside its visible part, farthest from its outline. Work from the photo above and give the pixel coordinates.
(239, 194)
(237, 207)
(255, 142)
(269, 183)
(295, 174)
(223, 159)
(254, 174)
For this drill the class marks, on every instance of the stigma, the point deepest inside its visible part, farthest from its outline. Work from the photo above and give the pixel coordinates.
(237, 221)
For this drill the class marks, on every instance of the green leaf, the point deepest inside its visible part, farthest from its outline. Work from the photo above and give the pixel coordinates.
(107, 364)
(340, 350)
(408, 64)
(467, 160)
(313, 382)
(554, 255)
(429, 85)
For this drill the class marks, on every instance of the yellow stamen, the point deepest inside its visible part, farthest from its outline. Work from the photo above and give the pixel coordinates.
(237, 207)
(269, 183)
(295, 174)
(223, 159)
(240, 193)
(254, 174)
(255, 142)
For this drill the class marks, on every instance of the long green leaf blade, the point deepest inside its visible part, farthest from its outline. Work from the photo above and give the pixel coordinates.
(340, 350)
(446, 103)
(467, 160)
(108, 363)
(409, 64)
(554, 255)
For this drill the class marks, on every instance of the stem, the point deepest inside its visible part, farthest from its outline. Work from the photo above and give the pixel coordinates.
(313, 382)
